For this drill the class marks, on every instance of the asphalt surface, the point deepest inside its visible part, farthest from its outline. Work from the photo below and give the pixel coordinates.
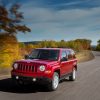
(86, 87)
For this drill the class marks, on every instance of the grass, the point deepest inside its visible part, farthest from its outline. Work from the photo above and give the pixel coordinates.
(84, 56)
(4, 71)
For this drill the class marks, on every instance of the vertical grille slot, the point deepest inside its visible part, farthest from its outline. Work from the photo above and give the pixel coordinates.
(32, 68)
(29, 68)
(26, 68)
(21, 67)
(35, 69)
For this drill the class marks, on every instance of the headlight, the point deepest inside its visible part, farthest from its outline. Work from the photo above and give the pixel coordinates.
(15, 66)
(42, 68)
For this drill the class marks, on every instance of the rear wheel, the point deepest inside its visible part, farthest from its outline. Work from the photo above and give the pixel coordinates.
(72, 77)
(55, 82)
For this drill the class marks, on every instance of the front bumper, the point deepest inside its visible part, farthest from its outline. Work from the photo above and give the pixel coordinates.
(28, 79)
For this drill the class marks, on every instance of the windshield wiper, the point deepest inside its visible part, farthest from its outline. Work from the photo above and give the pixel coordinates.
(31, 57)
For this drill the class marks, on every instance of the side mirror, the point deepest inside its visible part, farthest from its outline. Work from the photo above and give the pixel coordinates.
(26, 56)
(64, 59)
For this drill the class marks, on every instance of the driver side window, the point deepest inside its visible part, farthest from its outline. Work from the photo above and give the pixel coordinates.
(64, 56)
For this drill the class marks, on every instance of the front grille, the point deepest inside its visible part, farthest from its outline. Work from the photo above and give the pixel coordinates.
(26, 68)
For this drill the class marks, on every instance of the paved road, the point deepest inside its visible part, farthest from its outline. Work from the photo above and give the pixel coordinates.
(86, 87)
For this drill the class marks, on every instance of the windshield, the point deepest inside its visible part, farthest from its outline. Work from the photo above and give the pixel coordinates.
(44, 54)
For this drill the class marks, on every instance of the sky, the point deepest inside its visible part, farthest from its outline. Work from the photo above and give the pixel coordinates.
(59, 19)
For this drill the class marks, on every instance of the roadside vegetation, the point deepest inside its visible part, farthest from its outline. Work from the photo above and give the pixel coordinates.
(84, 55)
(82, 47)
(11, 50)
(10, 24)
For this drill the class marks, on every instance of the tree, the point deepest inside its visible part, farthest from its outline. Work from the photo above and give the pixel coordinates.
(62, 44)
(98, 45)
(86, 44)
(9, 50)
(10, 20)
(10, 24)
(98, 41)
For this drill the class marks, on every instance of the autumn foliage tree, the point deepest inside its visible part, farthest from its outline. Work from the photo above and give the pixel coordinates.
(10, 24)
(10, 20)
(9, 50)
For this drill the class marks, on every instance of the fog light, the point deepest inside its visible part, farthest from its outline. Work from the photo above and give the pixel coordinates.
(34, 79)
(17, 77)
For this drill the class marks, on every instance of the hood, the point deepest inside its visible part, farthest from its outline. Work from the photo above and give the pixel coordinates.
(38, 61)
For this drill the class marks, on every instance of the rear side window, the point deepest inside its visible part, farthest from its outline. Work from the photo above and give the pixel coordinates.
(73, 54)
(70, 54)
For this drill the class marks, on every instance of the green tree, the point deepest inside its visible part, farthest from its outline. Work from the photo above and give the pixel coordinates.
(43, 44)
(98, 45)
(98, 41)
(86, 44)
(62, 44)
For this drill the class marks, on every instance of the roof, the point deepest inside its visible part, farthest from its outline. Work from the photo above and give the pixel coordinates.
(55, 48)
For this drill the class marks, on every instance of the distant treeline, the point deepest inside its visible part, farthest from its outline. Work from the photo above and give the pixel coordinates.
(78, 44)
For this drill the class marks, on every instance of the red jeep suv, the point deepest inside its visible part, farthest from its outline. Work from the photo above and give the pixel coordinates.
(47, 66)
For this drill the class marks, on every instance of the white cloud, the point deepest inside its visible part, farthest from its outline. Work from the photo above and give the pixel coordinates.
(68, 4)
(76, 22)
(43, 17)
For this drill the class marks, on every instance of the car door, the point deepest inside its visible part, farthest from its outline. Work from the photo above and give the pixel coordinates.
(64, 62)
(70, 60)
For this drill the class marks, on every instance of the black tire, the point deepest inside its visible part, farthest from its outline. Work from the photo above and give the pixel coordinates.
(72, 76)
(53, 85)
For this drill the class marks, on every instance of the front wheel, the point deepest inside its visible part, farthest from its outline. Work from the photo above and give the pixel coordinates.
(72, 77)
(55, 82)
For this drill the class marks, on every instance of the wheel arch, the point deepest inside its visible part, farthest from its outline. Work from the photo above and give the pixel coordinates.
(58, 71)
(75, 66)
